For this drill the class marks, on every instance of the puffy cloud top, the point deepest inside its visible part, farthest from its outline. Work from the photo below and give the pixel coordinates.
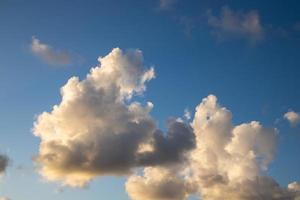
(293, 117)
(226, 163)
(97, 129)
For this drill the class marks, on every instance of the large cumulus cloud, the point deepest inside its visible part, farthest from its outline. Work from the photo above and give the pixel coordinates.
(228, 163)
(97, 129)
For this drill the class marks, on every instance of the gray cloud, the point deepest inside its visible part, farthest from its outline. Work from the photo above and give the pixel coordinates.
(170, 147)
(236, 24)
(4, 160)
(49, 54)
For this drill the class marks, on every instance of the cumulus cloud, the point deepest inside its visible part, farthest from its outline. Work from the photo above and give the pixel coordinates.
(159, 184)
(236, 24)
(227, 163)
(97, 129)
(293, 117)
(48, 53)
(4, 160)
(229, 159)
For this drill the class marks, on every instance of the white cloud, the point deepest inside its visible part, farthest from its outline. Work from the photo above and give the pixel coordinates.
(98, 130)
(187, 114)
(48, 53)
(229, 159)
(293, 117)
(226, 164)
(94, 131)
(159, 184)
(236, 24)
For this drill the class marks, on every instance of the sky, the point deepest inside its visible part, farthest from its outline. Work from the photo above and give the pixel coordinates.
(173, 99)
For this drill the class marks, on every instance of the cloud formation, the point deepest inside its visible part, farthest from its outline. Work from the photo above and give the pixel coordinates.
(158, 183)
(48, 53)
(236, 24)
(293, 117)
(4, 160)
(169, 148)
(227, 163)
(98, 130)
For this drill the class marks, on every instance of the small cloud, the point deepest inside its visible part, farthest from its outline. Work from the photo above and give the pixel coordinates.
(293, 117)
(166, 4)
(48, 53)
(187, 114)
(236, 24)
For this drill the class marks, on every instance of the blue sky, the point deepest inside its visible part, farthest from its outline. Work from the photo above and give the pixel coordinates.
(253, 72)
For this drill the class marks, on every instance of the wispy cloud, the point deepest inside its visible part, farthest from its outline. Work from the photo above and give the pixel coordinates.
(166, 4)
(236, 24)
(48, 54)
(293, 117)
